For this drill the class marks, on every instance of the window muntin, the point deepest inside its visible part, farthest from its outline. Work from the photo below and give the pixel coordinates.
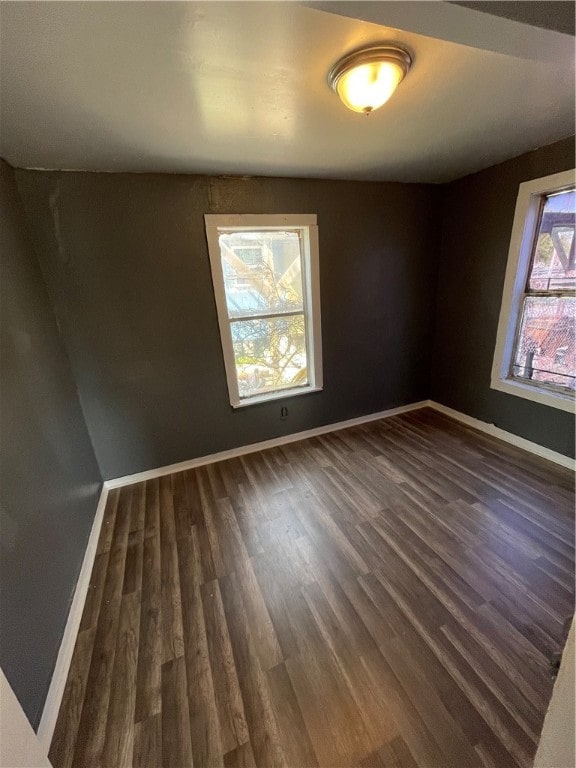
(265, 275)
(544, 352)
(533, 355)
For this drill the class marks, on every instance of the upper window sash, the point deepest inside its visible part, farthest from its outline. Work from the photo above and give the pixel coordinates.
(516, 287)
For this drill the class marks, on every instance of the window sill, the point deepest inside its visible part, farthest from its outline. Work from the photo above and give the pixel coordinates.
(270, 396)
(536, 394)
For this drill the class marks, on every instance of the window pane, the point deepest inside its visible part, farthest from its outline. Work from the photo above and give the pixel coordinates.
(262, 272)
(545, 350)
(269, 354)
(553, 264)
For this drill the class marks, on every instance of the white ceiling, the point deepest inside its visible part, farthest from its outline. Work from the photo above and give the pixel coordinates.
(240, 88)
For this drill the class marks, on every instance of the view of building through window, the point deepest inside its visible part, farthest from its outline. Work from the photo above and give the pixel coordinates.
(263, 283)
(545, 350)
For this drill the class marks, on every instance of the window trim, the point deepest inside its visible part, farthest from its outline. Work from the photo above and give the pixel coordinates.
(526, 220)
(310, 257)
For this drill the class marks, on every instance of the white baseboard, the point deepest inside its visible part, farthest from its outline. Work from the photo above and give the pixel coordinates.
(60, 675)
(483, 426)
(254, 447)
(508, 437)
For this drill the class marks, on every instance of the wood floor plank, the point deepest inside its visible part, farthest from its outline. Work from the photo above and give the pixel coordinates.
(485, 699)
(66, 731)
(182, 509)
(260, 717)
(394, 754)
(413, 728)
(378, 723)
(231, 717)
(448, 734)
(152, 508)
(172, 630)
(108, 522)
(384, 596)
(441, 681)
(234, 479)
(273, 578)
(138, 507)
(332, 716)
(148, 743)
(134, 562)
(92, 727)
(209, 512)
(95, 591)
(204, 723)
(296, 744)
(241, 757)
(193, 496)
(119, 741)
(176, 741)
(148, 675)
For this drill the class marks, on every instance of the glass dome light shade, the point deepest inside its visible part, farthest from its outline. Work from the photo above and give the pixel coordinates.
(365, 80)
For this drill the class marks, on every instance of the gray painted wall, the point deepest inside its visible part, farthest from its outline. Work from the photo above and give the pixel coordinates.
(50, 479)
(126, 263)
(478, 212)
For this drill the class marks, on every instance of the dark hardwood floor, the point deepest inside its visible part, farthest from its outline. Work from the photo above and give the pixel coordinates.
(386, 595)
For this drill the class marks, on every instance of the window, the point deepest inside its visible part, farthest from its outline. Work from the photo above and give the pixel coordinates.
(266, 284)
(535, 353)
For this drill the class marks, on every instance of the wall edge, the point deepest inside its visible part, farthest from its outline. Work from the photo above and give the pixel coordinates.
(64, 659)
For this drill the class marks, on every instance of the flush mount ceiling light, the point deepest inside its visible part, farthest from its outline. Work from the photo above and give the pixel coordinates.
(366, 79)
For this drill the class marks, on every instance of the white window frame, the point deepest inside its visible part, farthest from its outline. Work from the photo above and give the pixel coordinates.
(307, 225)
(524, 231)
